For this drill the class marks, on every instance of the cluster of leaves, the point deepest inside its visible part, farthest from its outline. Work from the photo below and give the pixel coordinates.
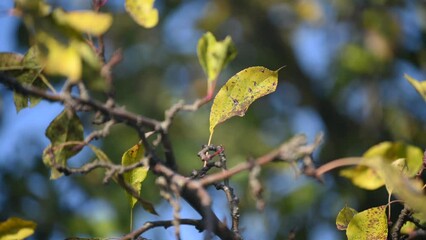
(68, 36)
(61, 35)
(398, 167)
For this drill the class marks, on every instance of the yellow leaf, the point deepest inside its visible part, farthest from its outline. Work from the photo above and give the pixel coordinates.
(363, 177)
(393, 151)
(408, 190)
(142, 12)
(407, 159)
(419, 86)
(61, 59)
(16, 228)
(213, 55)
(408, 228)
(84, 21)
(369, 224)
(241, 90)
(136, 176)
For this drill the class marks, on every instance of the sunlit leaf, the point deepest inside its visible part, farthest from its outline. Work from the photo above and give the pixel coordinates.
(241, 90)
(363, 177)
(62, 49)
(142, 12)
(16, 228)
(136, 176)
(66, 128)
(419, 86)
(84, 21)
(344, 217)
(61, 59)
(369, 224)
(406, 158)
(391, 151)
(213, 55)
(408, 228)
(408, 190)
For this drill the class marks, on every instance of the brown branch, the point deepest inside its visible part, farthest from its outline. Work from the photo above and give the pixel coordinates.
(289, 151)
(198, 224)
(194, 193)
(118, 114)
(402, 218)
(341, 162)
(233, 206)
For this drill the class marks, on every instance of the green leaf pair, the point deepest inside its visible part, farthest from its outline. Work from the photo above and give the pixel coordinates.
(369, 224)
(26, 69)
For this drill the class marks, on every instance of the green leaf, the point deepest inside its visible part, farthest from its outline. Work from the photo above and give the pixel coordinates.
(66, 134)
(142, 12)
(85, 21)
(16, 228)
(136, 176)
(419, 86)
(408, 228)
(31, 58)
(11, 61)
(27, 71)
(32, 7)
(369, 224)
(213, 55)
(241, 90)
(406, 158)
(344, 217)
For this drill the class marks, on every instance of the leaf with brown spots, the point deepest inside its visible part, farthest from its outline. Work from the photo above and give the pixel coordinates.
(66, 134)
(241, 90)
(369, 224)
(344, 217)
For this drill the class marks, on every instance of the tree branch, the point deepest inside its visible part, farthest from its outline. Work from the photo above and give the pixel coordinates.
(118, 114)
(289, 151)
(198, 224)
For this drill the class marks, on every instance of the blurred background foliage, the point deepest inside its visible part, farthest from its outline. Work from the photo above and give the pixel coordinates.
(344, 61)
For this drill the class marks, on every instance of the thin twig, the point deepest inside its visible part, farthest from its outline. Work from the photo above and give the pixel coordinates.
(233, 206)
(289, 151)
(198, 224)
(118, 114)
(341, 162)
